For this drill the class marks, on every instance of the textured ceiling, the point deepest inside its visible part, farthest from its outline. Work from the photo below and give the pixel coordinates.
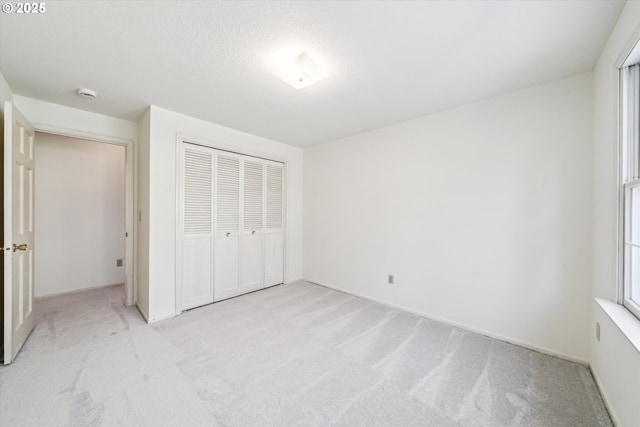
(389, 61)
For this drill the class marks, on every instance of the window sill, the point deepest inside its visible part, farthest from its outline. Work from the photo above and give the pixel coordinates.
(628, 324)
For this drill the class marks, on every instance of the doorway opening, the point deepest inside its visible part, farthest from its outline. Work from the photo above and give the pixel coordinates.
(80, 215)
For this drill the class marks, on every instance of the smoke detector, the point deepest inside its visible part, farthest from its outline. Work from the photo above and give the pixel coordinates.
(87, 93)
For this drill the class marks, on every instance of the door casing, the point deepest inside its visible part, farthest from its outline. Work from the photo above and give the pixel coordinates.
(130, 197)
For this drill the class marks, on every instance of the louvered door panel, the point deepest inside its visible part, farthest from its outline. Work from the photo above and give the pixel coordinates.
(274, 196)
(228, 193)
(274, 231)
(253, 195)
(197, 191)
(197, 220)
(252, 232)
(227, 248)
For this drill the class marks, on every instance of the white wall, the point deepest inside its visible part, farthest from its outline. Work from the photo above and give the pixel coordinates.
(166, 127)
(482, 213)
(79, 214)
(613, 360)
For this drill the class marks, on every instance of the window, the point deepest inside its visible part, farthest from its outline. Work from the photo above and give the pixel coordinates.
(630, 186)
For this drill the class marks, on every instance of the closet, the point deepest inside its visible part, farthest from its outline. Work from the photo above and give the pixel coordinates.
(231, 225)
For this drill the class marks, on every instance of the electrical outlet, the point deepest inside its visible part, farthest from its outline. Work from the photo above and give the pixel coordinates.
(119, 263)
(598, 331)
(390, 279)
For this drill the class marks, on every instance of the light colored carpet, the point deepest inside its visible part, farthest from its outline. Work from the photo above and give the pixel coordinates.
(295, 355)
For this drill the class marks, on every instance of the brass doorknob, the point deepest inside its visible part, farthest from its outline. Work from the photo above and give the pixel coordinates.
(22, 247)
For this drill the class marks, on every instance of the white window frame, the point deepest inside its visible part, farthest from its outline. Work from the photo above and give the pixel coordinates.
(627, 300)
(629, 179)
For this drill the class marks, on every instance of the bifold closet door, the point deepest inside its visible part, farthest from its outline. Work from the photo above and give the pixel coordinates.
(252, 240)
(274, 227)
(197, 233)
(232, 225)
(227, 240)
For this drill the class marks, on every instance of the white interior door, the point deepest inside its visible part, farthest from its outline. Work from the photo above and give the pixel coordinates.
(18, 163)
(197, 232)
(227, 241)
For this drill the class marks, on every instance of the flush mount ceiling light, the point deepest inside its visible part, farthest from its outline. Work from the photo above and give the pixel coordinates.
(87, 93)
(300, 71)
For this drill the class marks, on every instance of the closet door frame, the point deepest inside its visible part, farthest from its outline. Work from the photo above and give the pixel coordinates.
(181, 139)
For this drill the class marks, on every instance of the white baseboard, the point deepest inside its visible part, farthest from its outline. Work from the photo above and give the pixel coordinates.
(604, 396)
(76, 291)
(469, 328)
(159, 318)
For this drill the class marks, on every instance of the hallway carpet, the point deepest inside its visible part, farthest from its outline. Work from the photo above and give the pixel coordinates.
(293, 355)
